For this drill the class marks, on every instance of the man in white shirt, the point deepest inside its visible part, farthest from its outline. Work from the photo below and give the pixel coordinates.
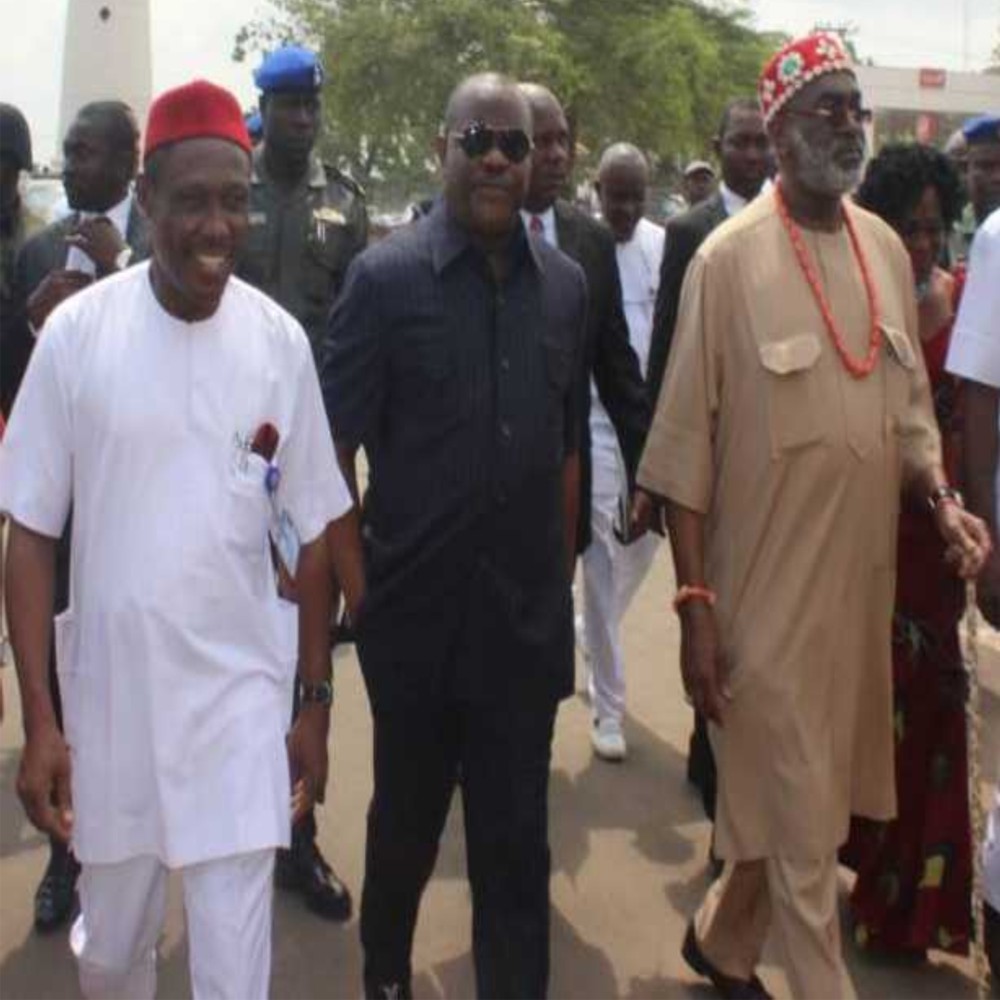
(612, 571)
(179, 411)
(974, 355)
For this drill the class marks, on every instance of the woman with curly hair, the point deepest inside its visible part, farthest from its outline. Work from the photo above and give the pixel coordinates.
(914, 874)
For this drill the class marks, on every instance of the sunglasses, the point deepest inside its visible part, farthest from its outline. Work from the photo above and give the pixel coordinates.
(478, 138)
(836, 112)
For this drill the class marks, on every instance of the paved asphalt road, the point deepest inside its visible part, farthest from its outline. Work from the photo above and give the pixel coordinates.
(629, 844)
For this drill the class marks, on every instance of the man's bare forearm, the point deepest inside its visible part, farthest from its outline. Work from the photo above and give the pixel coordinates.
(979, 451)
(687, 541)
(30, 586)
(347, 460)
(315, 589)
(343, 539)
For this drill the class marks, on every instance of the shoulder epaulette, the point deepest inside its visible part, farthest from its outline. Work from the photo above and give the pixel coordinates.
(344, 178)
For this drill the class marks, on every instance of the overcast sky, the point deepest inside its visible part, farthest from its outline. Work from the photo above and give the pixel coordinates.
(195, 38)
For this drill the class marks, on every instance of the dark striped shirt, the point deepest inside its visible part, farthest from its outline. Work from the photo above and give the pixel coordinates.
(461, 393)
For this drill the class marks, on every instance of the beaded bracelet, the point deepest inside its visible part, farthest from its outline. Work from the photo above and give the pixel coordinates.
(690, 592)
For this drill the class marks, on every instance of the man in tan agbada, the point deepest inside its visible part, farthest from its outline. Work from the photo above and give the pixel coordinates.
(794, 412)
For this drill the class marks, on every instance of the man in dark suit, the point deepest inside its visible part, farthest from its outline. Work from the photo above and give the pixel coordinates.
(608, 357)
(103, 234)
(744, 152)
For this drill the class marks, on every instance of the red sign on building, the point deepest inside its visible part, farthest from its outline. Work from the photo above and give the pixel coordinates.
(935, 79)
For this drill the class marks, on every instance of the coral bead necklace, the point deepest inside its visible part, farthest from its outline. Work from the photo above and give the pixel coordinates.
(864, 367)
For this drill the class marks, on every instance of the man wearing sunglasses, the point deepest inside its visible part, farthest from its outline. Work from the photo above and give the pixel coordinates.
(452, 359)
(795, 411)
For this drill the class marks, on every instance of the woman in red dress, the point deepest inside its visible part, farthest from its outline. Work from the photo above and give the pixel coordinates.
(914, 874)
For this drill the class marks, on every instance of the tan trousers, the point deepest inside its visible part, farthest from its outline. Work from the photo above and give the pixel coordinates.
(798, 900)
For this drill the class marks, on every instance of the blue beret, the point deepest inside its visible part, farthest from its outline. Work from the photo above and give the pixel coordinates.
(254, 123)
(982, 128)
(289, 68)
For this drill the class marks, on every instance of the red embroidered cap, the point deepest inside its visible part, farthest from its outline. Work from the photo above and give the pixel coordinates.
(797, 63)
(197, 110)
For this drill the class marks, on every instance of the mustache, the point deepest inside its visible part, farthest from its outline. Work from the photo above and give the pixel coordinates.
(850, 145)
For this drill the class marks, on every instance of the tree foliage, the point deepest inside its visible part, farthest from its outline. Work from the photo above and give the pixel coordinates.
(653, 72)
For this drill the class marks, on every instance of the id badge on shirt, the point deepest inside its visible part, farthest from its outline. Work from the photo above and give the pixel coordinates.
(285, 537)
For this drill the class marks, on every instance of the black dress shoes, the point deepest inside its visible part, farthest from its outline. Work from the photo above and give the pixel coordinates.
(727, 987)
(55, 897)
(304, 870)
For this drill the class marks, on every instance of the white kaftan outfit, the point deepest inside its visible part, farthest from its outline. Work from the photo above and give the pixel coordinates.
(974, 353)
(612, 572)
(176, 657)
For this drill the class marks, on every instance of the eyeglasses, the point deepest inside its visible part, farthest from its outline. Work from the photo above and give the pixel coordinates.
(478, 138)
(837, 112)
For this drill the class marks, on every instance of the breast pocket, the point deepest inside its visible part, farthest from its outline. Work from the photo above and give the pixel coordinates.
(901, 370)
(794, 400)
(255, 255)
(424, 370)
(248, 509)
(558, 363)
(329, 248)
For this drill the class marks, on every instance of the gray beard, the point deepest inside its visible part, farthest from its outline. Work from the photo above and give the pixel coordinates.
(817, 170)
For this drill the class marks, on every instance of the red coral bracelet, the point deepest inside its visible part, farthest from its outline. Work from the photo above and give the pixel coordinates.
(689, 592)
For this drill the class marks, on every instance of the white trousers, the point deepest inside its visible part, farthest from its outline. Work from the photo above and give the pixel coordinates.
(612, 573)
(227, 903)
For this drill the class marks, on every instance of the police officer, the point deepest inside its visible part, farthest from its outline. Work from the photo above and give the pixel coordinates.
(307, 222)
(307, 218)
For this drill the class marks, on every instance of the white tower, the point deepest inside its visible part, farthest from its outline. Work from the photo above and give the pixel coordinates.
(107, 56)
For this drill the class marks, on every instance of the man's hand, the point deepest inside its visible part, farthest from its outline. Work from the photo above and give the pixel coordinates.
(988, 589)
(645, 514)
(43, 782)
(703, 666)
(100, 241)
(967, 539)
(53, 289)
(308, 758)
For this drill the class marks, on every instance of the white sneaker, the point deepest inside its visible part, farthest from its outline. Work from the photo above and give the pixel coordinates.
(607, 740)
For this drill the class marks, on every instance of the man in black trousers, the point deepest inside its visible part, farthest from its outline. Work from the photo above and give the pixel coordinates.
(452, 359)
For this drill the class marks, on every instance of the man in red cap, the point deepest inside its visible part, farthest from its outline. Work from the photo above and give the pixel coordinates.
(179, 411)
(795, 410)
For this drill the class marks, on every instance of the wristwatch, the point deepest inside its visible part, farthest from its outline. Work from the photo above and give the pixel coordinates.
(316, 694)
(943, 493)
